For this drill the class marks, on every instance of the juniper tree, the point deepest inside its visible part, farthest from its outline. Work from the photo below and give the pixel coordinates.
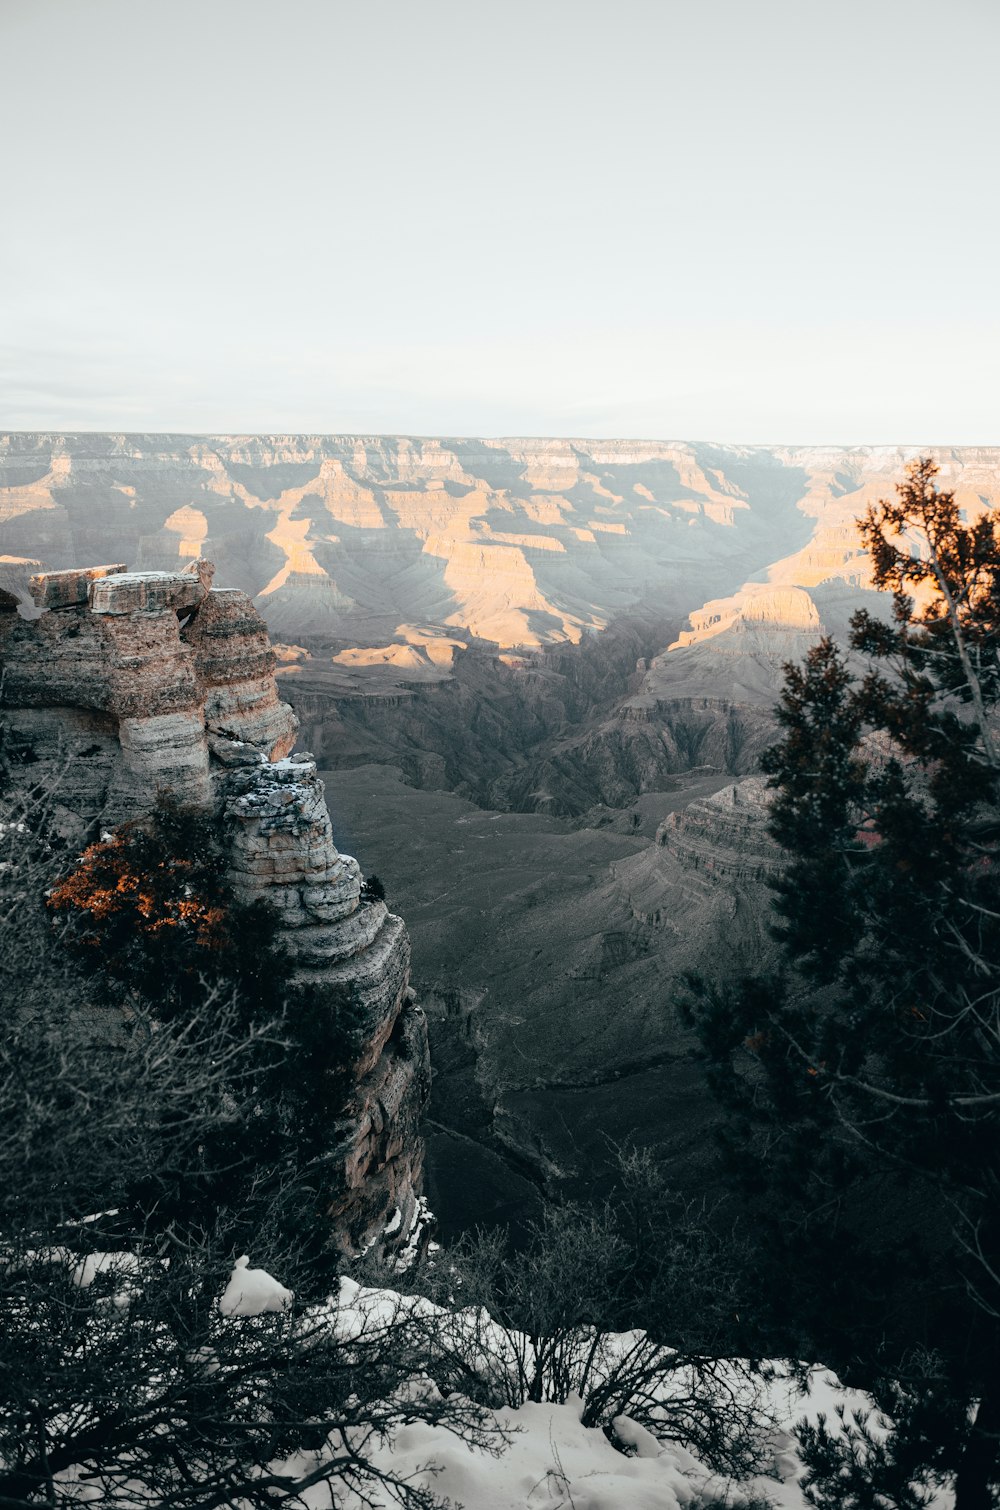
(862, 1079)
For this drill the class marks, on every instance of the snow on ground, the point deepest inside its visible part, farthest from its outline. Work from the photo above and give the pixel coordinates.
(554, 1462)
(551, 1460)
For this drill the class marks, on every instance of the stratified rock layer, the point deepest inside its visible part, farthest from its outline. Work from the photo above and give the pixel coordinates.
(390, 563)
(706, 853)
(374, 540)
(131, 687)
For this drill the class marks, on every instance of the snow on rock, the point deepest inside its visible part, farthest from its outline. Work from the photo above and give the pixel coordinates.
(252, 1292)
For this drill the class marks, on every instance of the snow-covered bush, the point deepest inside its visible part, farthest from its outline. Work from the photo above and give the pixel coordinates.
(620, 1306)
(141, 1362)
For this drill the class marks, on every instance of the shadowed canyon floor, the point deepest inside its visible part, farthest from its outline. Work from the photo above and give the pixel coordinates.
(544, 953)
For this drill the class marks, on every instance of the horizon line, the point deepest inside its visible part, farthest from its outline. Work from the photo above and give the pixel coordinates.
(666, 440)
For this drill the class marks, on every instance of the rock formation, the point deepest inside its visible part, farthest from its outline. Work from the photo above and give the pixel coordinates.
(708, 853)
(525, 542)
(389, 563)
(377, 540)
(129, 686)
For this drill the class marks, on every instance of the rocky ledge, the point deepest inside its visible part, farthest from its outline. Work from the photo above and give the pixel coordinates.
(708, 869)
(129, 687)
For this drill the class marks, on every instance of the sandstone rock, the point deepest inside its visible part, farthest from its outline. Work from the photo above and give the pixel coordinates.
(327, 944)
(146, 592)
(725, 836)
(235, 663)
(380, 1154)
(75, 752)
(145, 684)
(283, 852)
(711, 861)
(232, 752)
(66, 589)
(203, 569)
(380, 975)
(164, 754)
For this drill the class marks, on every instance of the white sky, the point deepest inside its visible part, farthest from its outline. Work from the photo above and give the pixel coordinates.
(746, 220)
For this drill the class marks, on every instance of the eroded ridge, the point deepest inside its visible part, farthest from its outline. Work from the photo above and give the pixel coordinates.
(129, 688)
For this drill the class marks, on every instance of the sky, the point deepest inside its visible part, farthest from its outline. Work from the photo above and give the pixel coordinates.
(754, 221)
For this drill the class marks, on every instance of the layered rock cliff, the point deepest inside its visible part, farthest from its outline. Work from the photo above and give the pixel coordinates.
(712, 857)
(128, 687)
(388, 562)
(385, 541)
(374, 540)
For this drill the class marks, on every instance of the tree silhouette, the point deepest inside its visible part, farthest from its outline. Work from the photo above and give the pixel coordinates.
(862, 1080)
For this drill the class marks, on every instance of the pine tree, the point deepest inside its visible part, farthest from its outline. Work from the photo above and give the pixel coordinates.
(863, 1080)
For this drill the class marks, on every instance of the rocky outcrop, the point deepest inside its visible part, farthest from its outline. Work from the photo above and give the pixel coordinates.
(129, 687)
(711, 861)
(724, 837)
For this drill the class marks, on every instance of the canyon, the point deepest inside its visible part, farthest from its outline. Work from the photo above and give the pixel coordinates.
(538, 624)
(536, 676)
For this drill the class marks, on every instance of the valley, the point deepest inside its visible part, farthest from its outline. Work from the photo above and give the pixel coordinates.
(545, 954)
(537, 676)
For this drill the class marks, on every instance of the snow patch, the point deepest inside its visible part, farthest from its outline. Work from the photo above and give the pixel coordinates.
(253, 1292)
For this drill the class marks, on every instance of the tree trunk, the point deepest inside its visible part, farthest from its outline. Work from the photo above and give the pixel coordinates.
(977, 1472)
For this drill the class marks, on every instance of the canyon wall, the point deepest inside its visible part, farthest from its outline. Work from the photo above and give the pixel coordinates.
(410, 546)
(547, 954)
(125, 687)
(394, 541)
(430, 594)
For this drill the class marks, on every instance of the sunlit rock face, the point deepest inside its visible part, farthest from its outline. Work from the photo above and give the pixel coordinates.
(521, 542)
(129, 687)
(392, 540)
(428, 594)
(736, 645)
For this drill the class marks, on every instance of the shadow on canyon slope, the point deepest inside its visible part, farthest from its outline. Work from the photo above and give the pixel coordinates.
(559, 732)
(547, 977)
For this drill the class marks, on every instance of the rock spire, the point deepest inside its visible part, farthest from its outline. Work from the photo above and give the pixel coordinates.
(133, 686)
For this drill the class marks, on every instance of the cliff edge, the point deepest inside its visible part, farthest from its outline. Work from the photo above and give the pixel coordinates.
(128, 687)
